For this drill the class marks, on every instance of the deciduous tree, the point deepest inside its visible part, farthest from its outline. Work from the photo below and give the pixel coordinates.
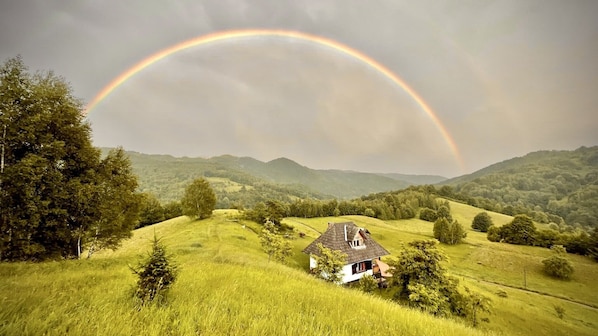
(446, 232)
(57, 196)
(199, 199)
(329, 264)
(520, 231)
(422, 282)
(481, 222)
(274, 245)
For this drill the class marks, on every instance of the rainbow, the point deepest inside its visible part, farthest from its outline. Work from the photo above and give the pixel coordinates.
(236, 34)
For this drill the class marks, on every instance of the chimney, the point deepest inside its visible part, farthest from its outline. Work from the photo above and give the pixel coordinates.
(345, 232)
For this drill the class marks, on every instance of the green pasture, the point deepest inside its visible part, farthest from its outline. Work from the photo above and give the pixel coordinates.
(226, 286)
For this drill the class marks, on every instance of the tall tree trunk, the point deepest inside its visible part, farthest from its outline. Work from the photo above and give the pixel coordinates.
(93, 244)
(79, 247)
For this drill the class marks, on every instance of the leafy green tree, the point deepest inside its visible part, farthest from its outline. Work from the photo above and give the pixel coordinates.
(520, 231)
(444, 212)
(199, 199)
(273, 244)
(116, 202)
(481, 222)
(558, 265)
(367, 283)
(329, 264)
(448, 232)
(428, 214)
(172, 210)
(151, 210)
(493, 234)
(477, 303)
(57, 195)
(275, 211)
(155, 275)
(422, 282)
(258, 214)
(419, 274)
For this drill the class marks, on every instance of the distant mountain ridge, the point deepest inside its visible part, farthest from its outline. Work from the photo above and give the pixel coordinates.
(166, 176)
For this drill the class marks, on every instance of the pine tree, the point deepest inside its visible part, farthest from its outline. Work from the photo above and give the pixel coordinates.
(155, 275)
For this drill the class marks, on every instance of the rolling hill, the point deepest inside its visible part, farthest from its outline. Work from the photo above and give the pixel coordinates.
(227, 286)
(564, 183)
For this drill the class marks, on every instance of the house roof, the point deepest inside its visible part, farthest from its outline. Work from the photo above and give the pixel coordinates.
(338, 236)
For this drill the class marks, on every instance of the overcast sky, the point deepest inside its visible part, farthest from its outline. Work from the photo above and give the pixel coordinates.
(504, 77)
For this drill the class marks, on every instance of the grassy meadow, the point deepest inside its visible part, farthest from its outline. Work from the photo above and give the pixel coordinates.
(226, 286)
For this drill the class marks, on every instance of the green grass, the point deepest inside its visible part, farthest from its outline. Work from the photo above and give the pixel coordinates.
(226, 286)
(489, 267)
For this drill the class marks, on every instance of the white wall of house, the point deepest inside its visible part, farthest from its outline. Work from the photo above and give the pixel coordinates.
(347, 275)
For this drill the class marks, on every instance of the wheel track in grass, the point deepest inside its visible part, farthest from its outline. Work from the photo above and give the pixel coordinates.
(304, 224)
(581, 303)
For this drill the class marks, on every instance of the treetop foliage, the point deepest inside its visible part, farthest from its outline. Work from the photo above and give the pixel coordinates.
(520, 231)
(274, 244)
(420, 275)
(57, 195)
(481, 222)
(329, 264)
(199, 199)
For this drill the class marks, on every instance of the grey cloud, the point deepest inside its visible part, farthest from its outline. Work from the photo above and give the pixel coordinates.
(504, 77)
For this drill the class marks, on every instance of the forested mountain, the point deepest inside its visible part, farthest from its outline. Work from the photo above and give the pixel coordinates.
(244, 181)
(338, 183)
(564, 183)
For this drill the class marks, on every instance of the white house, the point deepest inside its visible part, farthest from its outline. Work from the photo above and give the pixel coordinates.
(362, 251)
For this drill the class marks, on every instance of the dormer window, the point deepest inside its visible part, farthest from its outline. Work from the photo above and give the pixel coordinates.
(357, 243)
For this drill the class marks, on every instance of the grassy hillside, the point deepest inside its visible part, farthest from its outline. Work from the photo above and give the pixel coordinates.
(563, 183)
(488, 267)
(226, 287)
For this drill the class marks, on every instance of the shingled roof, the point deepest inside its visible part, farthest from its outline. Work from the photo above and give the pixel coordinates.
(335, 239)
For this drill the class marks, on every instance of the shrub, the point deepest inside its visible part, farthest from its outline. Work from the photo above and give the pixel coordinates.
(428, 214)
(367, 283)
(557, 265)
(560, 311)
